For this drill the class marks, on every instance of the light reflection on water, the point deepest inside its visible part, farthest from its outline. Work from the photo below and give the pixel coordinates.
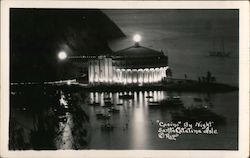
(139, 97)
(64, 139)
(130, 124)
(135, 126)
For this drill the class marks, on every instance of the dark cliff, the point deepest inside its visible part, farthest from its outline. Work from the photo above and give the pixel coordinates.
(37, 35)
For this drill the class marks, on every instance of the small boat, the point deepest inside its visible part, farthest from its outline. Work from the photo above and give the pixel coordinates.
(176, 97)
(196, 114)
(107, 126)
(154, 104)
(219, 54)
(60, 110)
(99, 115)
(172, 102)
(22, 108)
(126, 96)
(107, 98)
(113, 110)
(95, 104)
(62, 118)
(197, 99)
(103, 116)
(207, 99)
(108, 104)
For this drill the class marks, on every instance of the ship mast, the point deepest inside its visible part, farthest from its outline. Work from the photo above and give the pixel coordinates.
(213, 44)
(223, 47)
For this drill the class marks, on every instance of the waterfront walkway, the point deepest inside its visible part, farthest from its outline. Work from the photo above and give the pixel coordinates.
(170, 85)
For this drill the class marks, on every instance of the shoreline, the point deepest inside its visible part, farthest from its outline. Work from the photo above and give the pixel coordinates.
(184, 86)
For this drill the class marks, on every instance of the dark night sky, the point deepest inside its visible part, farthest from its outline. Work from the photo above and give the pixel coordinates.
(187, 36)
(161, 25)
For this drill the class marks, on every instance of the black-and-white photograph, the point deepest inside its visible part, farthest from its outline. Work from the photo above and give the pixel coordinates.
(124, 79)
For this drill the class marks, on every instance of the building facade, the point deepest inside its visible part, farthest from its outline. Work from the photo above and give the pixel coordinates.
(133, 65)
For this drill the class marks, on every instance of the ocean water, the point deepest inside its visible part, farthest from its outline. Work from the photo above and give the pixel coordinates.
(135, 126)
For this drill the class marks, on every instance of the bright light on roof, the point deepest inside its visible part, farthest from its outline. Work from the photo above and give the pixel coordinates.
(62, 55)
(137, 38)
(68, 83)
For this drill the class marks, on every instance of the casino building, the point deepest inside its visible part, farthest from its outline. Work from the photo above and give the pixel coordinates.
(132, 65)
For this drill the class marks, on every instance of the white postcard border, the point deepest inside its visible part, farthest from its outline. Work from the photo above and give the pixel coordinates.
(243, 6)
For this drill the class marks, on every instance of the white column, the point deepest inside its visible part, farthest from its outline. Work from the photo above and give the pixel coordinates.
(96, 70)
(150, 75)
(162, 72)
(119, 76)
(155, 79)
(126, 74)
(134, 76)
(165, 68)
(105, 78)
(102, 70)
(114, 77)
(129, 76)
(123, 76)
(110, 70)
(157, 74)
(89, 72)
(140, 76)
(145, 75)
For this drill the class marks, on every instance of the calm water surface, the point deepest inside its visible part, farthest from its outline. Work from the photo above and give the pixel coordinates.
(141, 132)
(134, 126)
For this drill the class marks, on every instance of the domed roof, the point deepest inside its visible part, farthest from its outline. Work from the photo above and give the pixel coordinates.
(138, 51)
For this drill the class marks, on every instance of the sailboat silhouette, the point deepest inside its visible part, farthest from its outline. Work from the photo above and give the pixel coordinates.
(219, 53)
